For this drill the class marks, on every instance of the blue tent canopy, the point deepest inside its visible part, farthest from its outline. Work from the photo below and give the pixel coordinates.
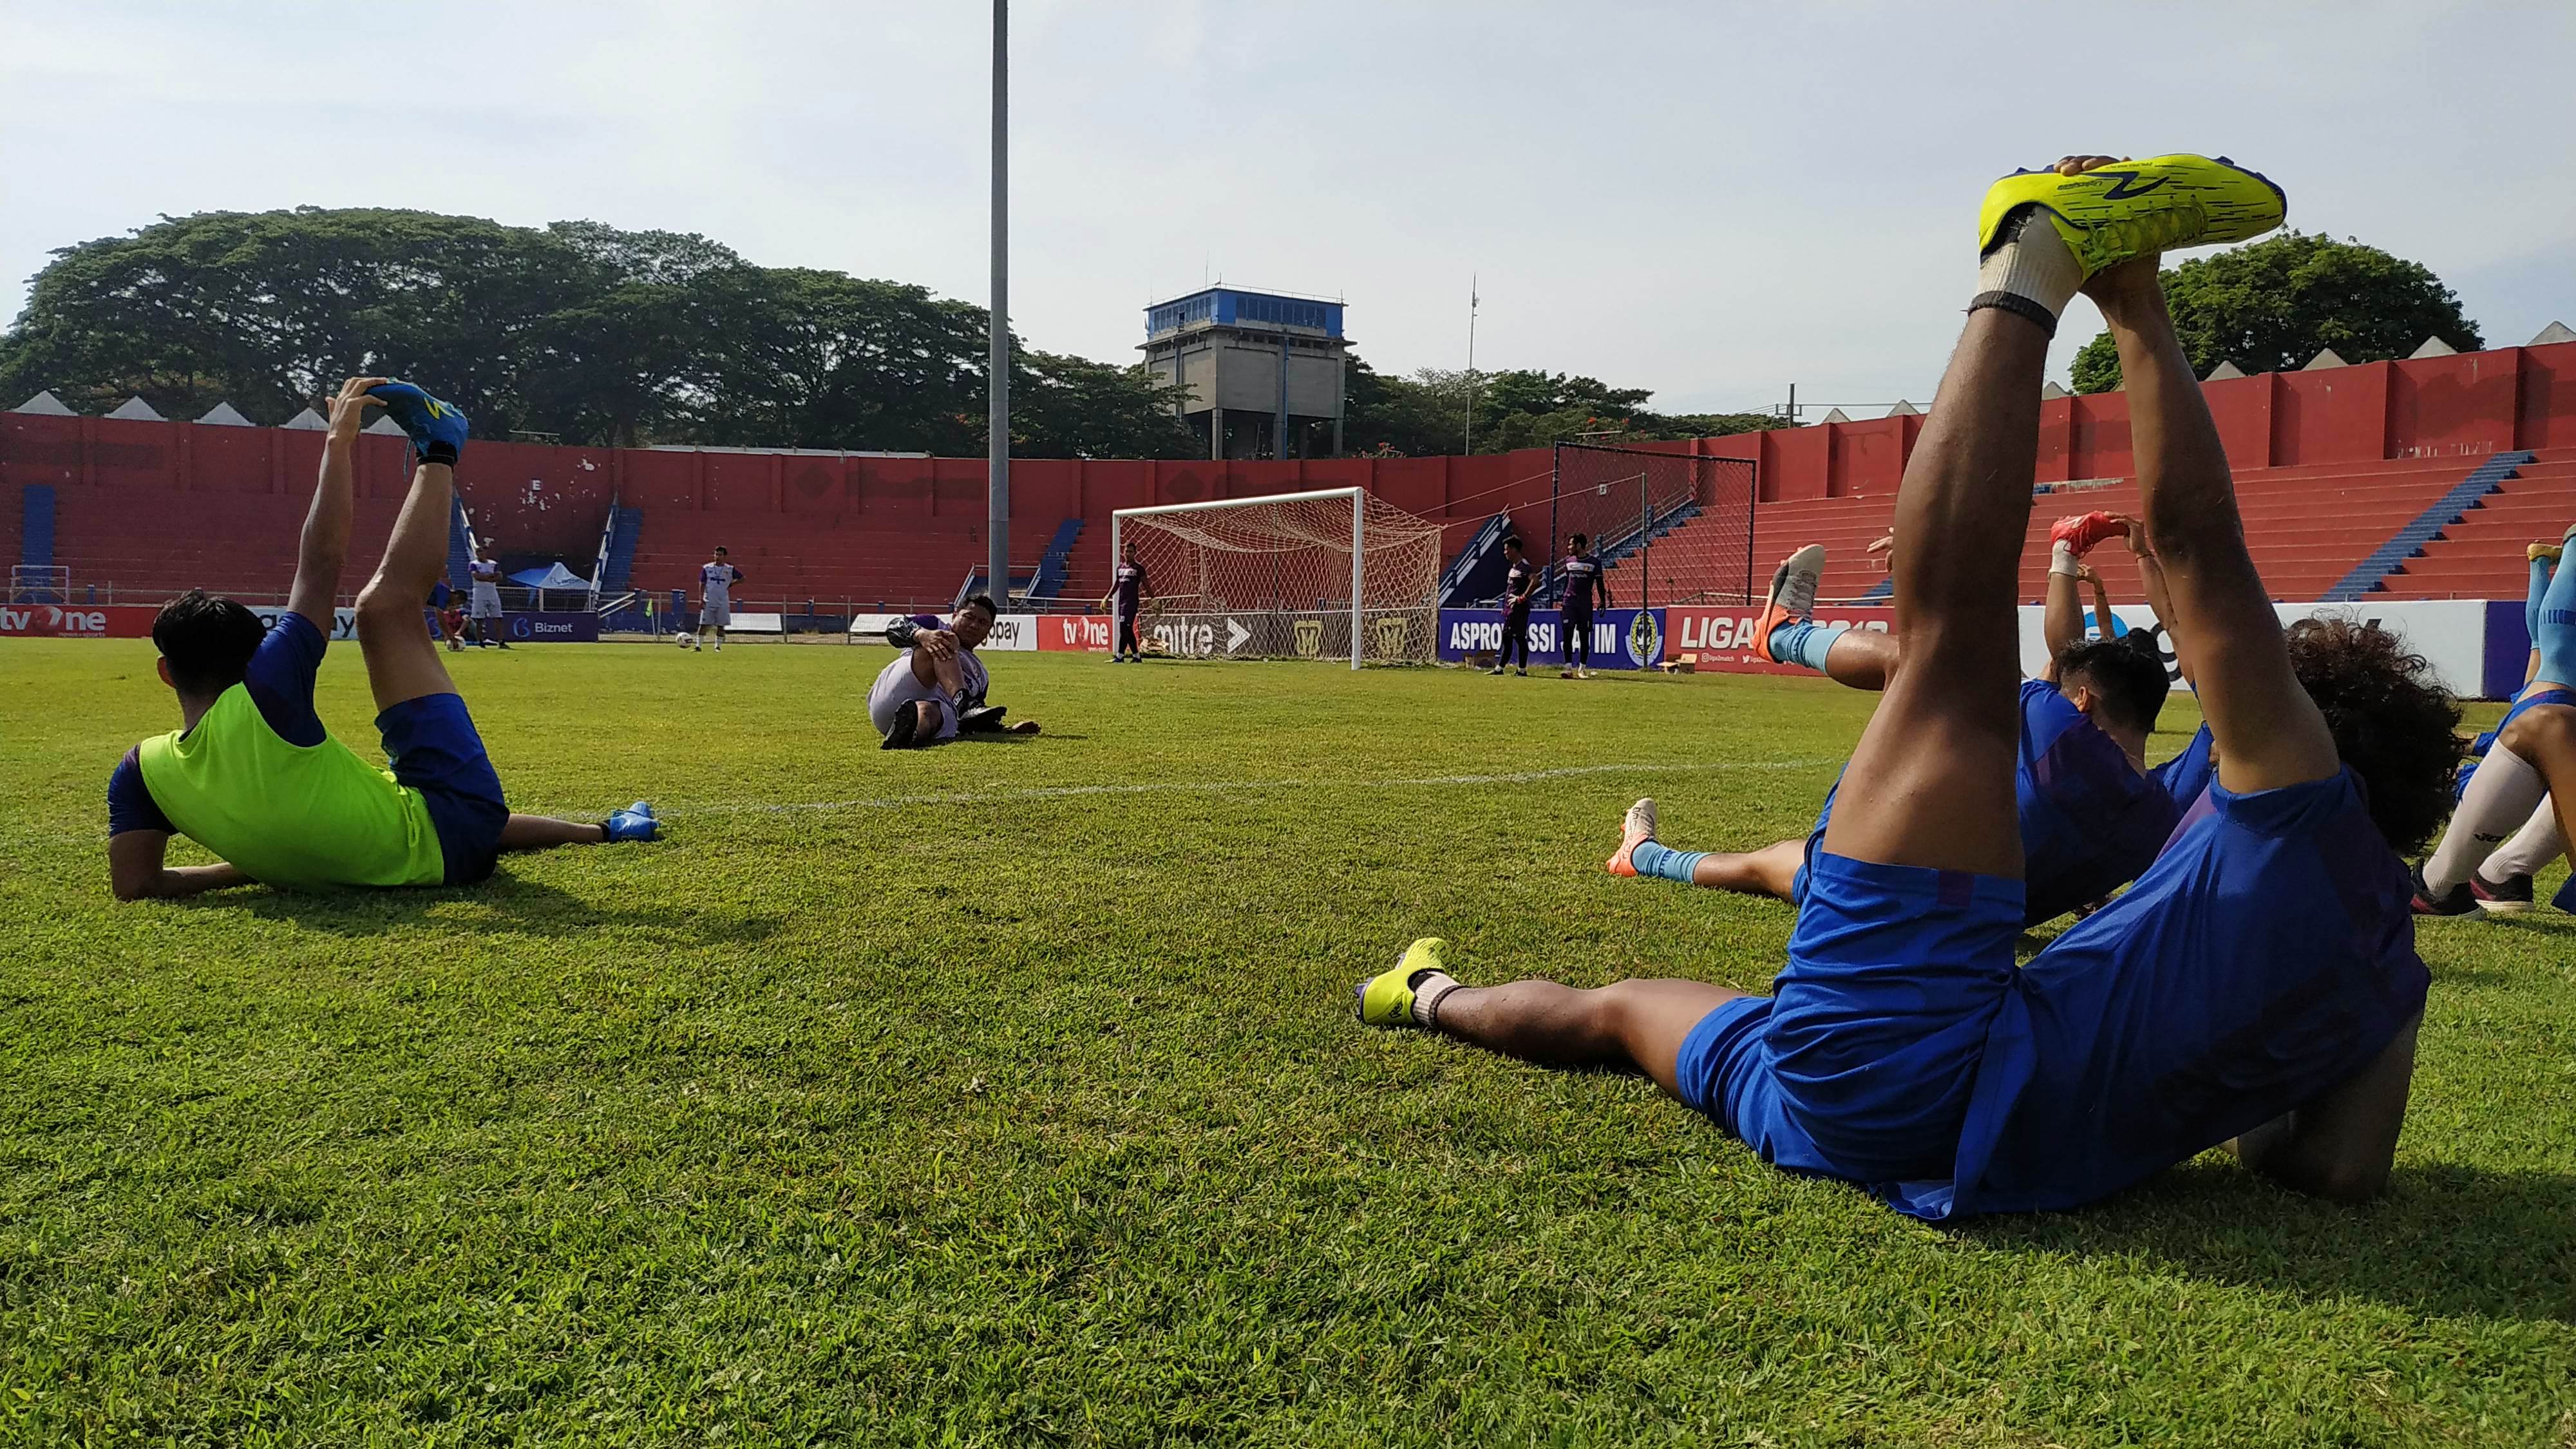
(552, 576)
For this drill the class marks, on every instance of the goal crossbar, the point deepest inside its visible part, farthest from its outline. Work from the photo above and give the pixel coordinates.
(1359, 535)
(1301, 533)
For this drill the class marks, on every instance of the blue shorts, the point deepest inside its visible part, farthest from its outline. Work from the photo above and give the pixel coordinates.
(1861, 1062)
(436, 751)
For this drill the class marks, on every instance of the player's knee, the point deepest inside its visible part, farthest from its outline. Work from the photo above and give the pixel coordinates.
(380, 608)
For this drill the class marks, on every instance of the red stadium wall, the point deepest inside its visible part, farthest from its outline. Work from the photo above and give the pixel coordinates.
(531, 499)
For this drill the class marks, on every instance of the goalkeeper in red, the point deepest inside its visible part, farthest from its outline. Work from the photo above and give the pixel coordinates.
(254, 777)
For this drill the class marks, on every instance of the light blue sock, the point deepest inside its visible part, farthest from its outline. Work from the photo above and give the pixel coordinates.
(1806, 642)
(2553, 630)
(1657, 859)
(2531, 600)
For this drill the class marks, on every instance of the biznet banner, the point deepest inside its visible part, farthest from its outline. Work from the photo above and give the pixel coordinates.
(1621, 638)
(2451, 634)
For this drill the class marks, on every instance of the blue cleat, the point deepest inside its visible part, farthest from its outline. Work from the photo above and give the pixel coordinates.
(437, 428)
(635, 822)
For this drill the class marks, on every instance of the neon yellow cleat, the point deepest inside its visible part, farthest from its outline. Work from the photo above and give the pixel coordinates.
(2133, 208)
(1386, 999)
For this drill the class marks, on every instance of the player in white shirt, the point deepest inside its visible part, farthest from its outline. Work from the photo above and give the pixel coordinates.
(487, 599)
(716, 579)
(933, 691)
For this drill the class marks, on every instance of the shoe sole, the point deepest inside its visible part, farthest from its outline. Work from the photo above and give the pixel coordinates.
(2505, 908)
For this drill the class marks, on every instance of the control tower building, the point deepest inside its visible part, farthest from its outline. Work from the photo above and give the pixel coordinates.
(1258, 372)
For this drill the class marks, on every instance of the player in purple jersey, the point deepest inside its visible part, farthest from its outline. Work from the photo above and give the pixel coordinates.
(2258, 987)
(1128, 590)
(1584, 581)
(934, 690)
(1520, 582)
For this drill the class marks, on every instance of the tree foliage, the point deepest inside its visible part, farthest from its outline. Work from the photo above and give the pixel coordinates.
(578, 330)
(2273, 305)
(1427, 413)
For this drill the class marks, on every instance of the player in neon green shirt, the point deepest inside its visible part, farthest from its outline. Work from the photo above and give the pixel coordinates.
(252, 775)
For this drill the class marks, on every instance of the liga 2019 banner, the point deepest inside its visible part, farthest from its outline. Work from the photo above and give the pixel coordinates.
(2476, 647)
(1621, 638)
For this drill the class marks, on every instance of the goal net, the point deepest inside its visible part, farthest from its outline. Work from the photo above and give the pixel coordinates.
(1672, 528)
(1336, 574)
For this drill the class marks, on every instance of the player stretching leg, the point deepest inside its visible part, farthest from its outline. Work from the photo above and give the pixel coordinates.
(1584, 582)
(2092, 816)
(1902, 1049)
(933, 691)
(255, 778)
(1520, 581)
(716, 578)
(1128, 590)
(2531, 762)
(487, 599)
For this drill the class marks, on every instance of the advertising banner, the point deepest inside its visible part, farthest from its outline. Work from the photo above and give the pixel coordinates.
(1088, 633)
(561, 626)
(1722, 637)
(344, 621)
(1621, 638)
(71, 621)
(2451, 634)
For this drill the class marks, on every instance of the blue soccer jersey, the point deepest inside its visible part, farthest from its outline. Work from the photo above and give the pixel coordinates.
(2266, 957)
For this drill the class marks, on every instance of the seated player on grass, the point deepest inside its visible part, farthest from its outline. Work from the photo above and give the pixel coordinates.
(2258, 986)
(253, 776)
(2091, 816)
(2529, 767)
(933, 691)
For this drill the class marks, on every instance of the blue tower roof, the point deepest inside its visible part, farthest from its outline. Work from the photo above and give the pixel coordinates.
(1233, 307)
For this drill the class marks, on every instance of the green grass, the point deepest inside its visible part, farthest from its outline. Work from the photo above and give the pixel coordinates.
(940, 1099)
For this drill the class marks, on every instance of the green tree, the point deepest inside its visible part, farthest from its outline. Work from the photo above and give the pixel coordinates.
(2273, 305)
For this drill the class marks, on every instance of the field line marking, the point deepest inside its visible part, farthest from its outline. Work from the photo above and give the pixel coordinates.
(1221, 787)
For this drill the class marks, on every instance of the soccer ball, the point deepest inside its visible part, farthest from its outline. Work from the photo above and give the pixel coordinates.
(688, 641)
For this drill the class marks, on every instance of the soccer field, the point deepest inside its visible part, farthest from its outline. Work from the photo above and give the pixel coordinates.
(1008, 1093)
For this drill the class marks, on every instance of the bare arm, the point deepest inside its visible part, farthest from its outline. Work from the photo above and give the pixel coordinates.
(2101, 602)
(2342, 1145)
(135, 869)
(2061, 621)
(324, 550)
(2151, 577)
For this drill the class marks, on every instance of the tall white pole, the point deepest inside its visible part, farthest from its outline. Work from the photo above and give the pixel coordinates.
(1359, 542)
(997, 366)
(1471, 364)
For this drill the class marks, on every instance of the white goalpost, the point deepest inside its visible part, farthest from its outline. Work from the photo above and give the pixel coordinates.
(1316, 575)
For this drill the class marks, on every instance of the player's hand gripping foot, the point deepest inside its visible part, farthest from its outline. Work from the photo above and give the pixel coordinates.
(1407, 994)
(1792, 599)
(2082, 531)
(436, 428)
(2109, 211)
(635, 822)
(1635, 830)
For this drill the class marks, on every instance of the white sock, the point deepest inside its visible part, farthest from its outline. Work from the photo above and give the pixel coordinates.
(2535, 845)
(2500, 797)
(2031, 272)
(1426, 997)
(2061, 560)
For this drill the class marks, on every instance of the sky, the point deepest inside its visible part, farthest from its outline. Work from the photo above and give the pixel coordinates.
(1710, 200)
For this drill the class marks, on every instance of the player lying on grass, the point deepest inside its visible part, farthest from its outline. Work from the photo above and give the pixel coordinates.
(254, 777)
(933, 691)
(2259, 986)
(2527, 774)
(2091, 815)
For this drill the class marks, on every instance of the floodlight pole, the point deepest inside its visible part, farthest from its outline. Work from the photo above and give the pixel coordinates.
(997, 365)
